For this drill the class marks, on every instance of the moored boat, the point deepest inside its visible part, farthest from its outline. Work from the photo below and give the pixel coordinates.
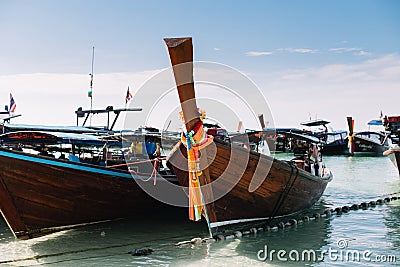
(40, 195)
(334, 142)
(367, 143)
(394, 155)
(237, 185)
(370, 143)
(53, 180)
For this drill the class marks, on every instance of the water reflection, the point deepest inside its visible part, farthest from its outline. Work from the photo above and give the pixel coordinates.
(392, 222)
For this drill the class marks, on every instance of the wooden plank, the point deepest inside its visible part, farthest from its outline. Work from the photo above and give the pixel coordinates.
(304, 192)
(34, 199)
(9, 210)
(181, 55)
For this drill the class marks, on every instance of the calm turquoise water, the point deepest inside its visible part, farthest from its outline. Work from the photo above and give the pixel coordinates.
(373, 232)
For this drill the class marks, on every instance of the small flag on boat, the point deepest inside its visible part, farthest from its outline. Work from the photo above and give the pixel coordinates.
(381, 116)
(128, 96)
(90, 92)
(13, 106)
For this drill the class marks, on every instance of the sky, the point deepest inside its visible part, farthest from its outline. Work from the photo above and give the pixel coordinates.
(310, 59)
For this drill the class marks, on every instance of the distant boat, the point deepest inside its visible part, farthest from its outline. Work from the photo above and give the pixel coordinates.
(55, 180)
(368, 143)
(284, 141)
(334, 142)
(371, 143)
(260, 193)
(301, 143)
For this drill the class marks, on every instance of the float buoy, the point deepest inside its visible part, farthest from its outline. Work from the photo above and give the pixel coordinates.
(141, 252)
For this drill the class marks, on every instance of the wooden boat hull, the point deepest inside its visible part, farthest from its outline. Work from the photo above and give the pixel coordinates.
(395, 158)
(367, 147)
(39, 195)
(285, 189)
(335, 149)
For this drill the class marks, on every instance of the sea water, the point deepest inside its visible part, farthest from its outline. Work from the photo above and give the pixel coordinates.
(365, 237)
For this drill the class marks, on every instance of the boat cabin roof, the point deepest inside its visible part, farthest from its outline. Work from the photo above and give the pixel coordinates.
(52, 138)
(166, 138)
(299, 136)
(337, 132)
(47, 128)
(283, 130)
(80, 112)
(394, 119)
(370, 133)
(318, 122)
(8, 119)
(304, 137)
(375, 122)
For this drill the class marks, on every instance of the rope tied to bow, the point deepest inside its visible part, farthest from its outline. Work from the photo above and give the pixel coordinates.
(194, 141)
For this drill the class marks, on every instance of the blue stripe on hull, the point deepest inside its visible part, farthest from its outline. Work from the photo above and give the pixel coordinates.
(63, 164)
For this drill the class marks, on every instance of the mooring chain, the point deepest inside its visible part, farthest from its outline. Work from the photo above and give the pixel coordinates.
(292, 222)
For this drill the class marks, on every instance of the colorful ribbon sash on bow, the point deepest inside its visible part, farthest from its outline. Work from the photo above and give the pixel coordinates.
(195, 140)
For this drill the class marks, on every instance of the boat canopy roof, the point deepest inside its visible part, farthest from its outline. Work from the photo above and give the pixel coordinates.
(315, 123)
(337, 132)
(52, 138)
(48, 128)
(165, 137)
(369, 133)
(283, 130)
(80, 112)
(304, 137)
(375, 122)
(299, 136)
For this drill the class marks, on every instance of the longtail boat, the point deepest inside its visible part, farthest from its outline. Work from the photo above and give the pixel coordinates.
(367, 143)
(392, 125)
(54, 180)
(228, 183)
(394, 155)
(335, 142)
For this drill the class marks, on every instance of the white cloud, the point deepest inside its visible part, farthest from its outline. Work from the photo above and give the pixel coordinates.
(257, 54)
(298, 50)
(393, 72)
(334, 91)
(357, 50)
(289, 50)
(344, 49)
(362, 53)
(217, 49)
